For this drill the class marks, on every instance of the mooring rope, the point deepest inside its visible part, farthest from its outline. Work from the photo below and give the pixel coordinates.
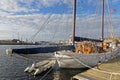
(56, 59)
(21, 57)
(46, 74)
(107, 72)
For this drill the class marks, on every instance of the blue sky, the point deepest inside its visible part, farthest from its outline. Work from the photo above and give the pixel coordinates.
(24, 18)
(60, 6)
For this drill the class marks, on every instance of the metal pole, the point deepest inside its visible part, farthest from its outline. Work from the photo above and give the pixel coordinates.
(74, 23)
(102, 21)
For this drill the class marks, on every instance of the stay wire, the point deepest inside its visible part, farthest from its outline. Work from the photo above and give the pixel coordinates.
(96, 16)
(42, 78)
(110, 18)
(42, 26)
(56, 29)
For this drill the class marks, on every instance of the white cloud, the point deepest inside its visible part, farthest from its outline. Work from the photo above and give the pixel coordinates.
(11, 6)
(35, 5)
(58, 27)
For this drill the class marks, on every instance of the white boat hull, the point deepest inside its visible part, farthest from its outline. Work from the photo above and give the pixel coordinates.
(77, 60)
(67, 59)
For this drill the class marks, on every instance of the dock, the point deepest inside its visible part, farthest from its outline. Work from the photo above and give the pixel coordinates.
(106, 71)
(37, 68)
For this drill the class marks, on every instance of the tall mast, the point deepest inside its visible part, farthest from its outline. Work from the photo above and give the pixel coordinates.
(102, 20)
(74, 22)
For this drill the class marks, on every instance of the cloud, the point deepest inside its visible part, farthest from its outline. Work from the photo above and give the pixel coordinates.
(53, 27)
(14, 6)
(11, 6)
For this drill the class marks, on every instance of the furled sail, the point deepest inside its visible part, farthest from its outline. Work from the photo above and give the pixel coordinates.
(87, 39)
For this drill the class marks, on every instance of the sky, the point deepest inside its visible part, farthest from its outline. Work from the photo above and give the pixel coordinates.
(44, 20)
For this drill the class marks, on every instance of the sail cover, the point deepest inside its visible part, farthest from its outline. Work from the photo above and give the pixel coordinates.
(87, 39)
(46, 49)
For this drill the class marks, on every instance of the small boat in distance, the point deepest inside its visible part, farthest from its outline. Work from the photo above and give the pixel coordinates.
(82, 52)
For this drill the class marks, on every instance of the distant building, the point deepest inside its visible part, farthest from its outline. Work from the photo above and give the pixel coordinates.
(16, 40)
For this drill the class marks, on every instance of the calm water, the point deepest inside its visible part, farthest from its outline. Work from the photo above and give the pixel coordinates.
(12, 68)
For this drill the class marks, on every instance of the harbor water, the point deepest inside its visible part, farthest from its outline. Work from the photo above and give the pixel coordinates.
(12, 67)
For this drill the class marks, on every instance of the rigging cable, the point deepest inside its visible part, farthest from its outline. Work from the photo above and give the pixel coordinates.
(65, 37)
(56, 29)
(81, 3)
(56, 59)
(107, 72)
(46, 74)
(110, 20)
(101, 71)
(58, 26)
(96, 16)
(42, 26)
(45, 23)
(88, 23)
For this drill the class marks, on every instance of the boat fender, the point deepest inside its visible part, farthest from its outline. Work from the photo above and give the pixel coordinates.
(27, 69)
(105, 46)
(32, 68)
(87, 49)
(37, 71)
(9, 52)
(84, 49)
(78, 49)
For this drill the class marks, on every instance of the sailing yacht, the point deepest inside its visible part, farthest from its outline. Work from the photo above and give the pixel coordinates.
(87, 53)
(83, 52)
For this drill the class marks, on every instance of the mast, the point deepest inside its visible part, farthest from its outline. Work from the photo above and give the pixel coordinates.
(74, 22)
(103, 20)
